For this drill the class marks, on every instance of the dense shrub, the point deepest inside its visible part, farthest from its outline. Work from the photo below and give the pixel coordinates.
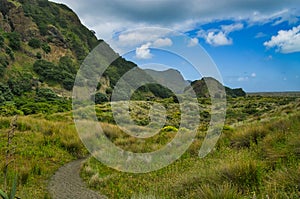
(1, 41)
(66, 63)
(46, 48)
(21, 83)
(45, 94)
(100, 98)
(34, 43)
(5, 93)
(14, 40)
(68, 83)
(9, 52)
(61, 73)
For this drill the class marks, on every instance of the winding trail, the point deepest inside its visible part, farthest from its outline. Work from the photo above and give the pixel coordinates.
(67, 184)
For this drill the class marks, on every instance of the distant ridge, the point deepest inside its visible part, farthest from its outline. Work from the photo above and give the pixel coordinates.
(279, 94)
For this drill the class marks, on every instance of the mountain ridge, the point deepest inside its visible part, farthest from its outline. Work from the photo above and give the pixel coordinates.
(42, 45)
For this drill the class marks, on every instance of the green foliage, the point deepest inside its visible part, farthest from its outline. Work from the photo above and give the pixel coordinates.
(46, 48)
(14, 40)
(68, 83)
(10, 53)
(3, 64)
(34, 43)
(47, 15)
(117, 69)
(237, 92)
(45, 94)
(100, 98)
(38, 55)
(5, 93)
(44, 69)
(9, 109)
(160, 91)
(61, 73)
(21, 83)
(1, 41)
(66, 63)
(42, 147)
(3, 195)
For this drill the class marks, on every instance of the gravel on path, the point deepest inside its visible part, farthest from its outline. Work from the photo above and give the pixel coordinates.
(67, 184)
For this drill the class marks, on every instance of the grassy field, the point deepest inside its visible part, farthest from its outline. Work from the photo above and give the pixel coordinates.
(39, 148)
(257, 155)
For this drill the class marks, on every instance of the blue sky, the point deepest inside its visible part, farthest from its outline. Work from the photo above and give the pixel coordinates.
(255, 44)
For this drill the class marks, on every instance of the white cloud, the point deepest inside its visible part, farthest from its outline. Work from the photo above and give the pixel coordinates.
(107, 17)
(143, 52)
(215, 38)
(286, 41)
(161, 42)
(260, 35)
(243, 79)
(193, 42)
(231, 28)
(145, 35)
(253, 75)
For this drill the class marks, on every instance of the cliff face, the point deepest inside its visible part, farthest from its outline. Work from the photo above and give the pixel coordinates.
(13, 19)
(51, 23)
(42, 44)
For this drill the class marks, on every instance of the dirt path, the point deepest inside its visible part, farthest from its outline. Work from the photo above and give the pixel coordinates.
(67, 184)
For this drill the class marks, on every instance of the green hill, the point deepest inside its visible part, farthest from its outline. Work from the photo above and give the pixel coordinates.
(201, 89)
(42, 45)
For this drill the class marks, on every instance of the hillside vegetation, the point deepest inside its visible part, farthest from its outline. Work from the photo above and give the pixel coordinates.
(256, 156)
(43, 44)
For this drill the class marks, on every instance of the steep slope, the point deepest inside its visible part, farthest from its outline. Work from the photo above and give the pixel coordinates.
(201, 89)
(42, 45)
(170, 78)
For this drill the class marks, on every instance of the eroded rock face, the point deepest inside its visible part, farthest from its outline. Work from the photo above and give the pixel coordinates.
(22, 24)
(58, 38)
(4, 23)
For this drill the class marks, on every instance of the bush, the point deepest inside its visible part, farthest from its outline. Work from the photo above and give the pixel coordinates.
(66, 63)
(38, 55)
(1, 41)
(9, 52)
(46, 48)
(5, 93)
(68, 83)
(20, 84)
(45, 94)
(14, 40)
(100, 98)
(34, 43)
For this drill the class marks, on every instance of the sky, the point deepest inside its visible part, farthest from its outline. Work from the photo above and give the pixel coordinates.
(254, 44)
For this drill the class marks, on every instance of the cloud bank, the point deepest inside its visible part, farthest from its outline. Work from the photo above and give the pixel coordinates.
(286, 41)
(108, 17)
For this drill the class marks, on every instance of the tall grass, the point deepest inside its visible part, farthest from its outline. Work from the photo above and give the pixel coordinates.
(257, 160)
(41, 147)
